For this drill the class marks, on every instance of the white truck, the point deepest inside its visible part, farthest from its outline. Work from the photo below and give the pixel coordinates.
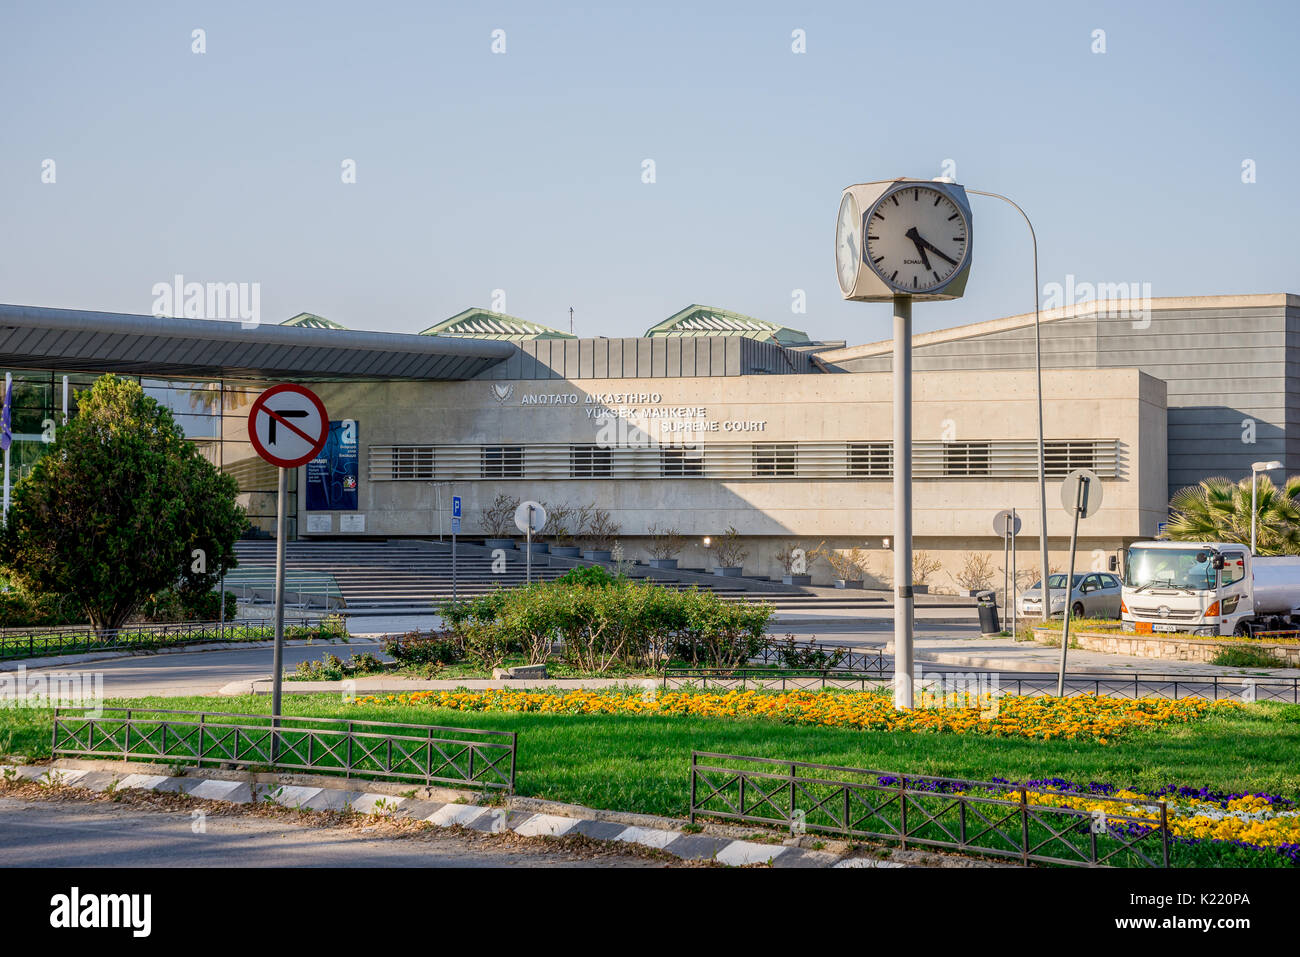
(1208, 588)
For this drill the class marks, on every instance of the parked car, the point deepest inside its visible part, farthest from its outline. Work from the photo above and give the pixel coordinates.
(1093, 595)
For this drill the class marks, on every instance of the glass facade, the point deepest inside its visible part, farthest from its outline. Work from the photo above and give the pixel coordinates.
(213, 415)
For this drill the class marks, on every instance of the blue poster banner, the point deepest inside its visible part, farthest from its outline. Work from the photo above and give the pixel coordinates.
(334, 475)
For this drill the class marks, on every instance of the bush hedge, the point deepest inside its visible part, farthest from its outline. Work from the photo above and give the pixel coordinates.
(20, 609)
(416, 649)
(602, 622)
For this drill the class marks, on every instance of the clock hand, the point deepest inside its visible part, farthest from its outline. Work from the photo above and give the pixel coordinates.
(917, 241)
(938, 252)
(924, 244)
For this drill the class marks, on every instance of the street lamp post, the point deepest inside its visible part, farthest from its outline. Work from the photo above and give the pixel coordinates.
(1255, 469)
(1038, 370)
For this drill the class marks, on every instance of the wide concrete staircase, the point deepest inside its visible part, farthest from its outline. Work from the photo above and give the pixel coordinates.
(407, 576)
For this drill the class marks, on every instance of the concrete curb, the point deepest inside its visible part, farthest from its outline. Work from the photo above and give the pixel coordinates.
(446, 807)
(380, 685)
(795, 618)
(993, 663)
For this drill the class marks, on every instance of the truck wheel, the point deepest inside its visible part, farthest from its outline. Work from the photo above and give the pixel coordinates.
(1077, 612)
(1241, 630)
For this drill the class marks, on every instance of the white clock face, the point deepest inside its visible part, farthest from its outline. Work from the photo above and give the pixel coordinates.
(916, 238)
(848, 243)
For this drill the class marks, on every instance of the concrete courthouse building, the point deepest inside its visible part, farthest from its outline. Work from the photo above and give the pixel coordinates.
(715, 420)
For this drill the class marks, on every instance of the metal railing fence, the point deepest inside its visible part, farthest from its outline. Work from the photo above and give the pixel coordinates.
(36, 643)
(819, 657)
(974, 817)
(367, 749)
(1020, 684)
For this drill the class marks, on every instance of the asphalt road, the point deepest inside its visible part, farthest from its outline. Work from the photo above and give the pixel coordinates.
(206, 672)
(200, 672)
(76, 834)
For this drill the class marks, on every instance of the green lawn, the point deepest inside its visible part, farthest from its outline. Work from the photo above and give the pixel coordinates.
(640, 763)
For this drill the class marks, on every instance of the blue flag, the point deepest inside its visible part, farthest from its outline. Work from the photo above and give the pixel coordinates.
(6, 428)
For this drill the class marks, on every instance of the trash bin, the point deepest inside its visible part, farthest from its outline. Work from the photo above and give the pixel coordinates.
(988, 606)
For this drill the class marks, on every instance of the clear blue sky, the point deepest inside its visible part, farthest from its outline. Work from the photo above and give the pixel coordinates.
(522, 171)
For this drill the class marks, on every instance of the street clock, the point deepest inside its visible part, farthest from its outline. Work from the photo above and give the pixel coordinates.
(903, 237)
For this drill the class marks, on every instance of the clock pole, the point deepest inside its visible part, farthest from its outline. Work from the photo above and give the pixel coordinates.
(880, 227)
(903, 600)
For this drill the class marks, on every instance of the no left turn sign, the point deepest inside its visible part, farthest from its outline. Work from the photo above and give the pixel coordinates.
(288, 425)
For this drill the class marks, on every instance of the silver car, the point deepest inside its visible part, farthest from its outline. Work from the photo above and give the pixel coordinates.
(1094, 595)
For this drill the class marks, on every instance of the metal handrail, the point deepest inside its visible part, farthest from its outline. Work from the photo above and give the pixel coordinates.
(771, 790)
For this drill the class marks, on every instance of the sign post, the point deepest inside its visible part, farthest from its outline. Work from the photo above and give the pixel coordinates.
(530, 517)
(7, 435)
(1081, 495)
(1007, 524)
(455, 530)
(1015, 527)
(287, 427)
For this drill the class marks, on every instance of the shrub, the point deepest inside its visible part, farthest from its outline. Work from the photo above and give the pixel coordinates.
(1244, 656)
(498, 519)
(731, 551)
(795, 654)
(665, 542)
(976, 572)
(560, 522)
(600, 530)
(587, 575)
(602, 621)
(333, 668)
(793, 558)
(721, 634)
(474, 622)
(176, 605)
(853, 564)
(19, 609)
(434, 648)
(923, 566)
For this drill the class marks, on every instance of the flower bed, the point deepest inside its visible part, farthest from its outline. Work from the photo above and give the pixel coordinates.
(1256, 821)
(1084, 718)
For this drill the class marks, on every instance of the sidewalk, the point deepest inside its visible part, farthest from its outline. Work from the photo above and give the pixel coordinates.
(1007, 654)
(444, 807)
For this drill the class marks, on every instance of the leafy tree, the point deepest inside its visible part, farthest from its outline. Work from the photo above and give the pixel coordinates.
(1218, 510)
(121, 507)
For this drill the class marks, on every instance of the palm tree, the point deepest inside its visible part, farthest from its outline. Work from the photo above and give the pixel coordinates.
(1218, 510)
